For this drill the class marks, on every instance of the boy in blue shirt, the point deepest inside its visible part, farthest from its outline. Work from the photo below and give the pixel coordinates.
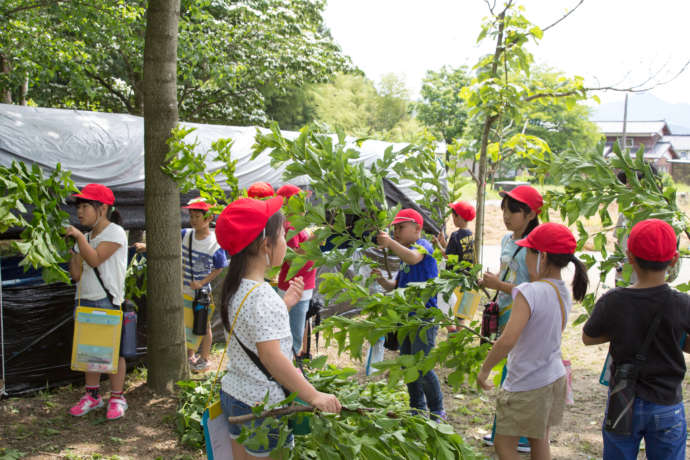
(425, 392)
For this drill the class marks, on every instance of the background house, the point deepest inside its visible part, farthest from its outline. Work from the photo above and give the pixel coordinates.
(654, 136)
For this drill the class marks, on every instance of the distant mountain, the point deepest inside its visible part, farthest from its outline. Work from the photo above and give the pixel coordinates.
(646, 107)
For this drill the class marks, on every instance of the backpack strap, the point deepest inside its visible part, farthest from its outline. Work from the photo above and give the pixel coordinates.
(189, 253)
(505, 273)
(560, 301)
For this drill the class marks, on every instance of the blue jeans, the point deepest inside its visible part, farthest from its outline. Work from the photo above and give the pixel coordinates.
(426, 390)
(663, 428)
(234, 407)
(298, 317)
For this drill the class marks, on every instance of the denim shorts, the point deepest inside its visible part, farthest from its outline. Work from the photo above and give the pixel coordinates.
(100, 303)
(232, 408)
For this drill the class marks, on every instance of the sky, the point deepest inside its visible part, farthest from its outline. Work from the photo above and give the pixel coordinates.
(608, 42)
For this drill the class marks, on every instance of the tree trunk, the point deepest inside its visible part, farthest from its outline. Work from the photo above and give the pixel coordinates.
(24, 90)
(167, 361)
(139, 97)
(6, 96)
(483, 160)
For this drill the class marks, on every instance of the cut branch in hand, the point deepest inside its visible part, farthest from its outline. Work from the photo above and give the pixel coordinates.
(297, 408)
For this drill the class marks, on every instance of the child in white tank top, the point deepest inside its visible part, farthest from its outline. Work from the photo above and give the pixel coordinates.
(532, 397)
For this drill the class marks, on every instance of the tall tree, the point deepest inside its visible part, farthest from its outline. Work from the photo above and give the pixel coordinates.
(166, 344)
(499, 94)
(562, 122)
(441, 108)
(234, 55)
(354, 104)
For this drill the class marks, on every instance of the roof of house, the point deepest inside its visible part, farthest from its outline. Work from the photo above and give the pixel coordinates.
(640, 128)
(679, 142)
(658, 150)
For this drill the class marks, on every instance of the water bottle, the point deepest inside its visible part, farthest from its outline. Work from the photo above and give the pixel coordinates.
(202, 300)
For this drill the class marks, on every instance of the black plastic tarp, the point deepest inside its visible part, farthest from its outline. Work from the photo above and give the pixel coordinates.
(38, 325)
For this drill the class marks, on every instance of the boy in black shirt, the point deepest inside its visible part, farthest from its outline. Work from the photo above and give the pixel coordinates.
(622, 317)
(461, 242)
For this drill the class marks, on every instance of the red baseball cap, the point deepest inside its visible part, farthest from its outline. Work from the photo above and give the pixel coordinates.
(198, 204)
(96, 192)
(550, 237)
(526, 194)
(408, 215)
(463, 209)
(653, 240)
(289, 190)
(243, 220)
(260, 190)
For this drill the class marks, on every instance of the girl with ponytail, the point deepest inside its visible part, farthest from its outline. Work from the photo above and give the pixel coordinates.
(260, 341)
(532, 397)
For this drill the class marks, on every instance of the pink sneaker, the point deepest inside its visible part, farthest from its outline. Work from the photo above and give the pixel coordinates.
(116, 408)
(85, 405)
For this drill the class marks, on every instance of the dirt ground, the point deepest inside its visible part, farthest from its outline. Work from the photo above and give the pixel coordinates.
(39, 427)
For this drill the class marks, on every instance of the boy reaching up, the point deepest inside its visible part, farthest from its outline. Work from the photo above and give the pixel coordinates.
(425, 392)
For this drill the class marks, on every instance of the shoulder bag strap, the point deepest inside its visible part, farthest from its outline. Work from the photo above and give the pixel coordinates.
(100, 280)
(189, 252)
(641, 355)
(255, 359)
(232, 328)
(560, 301)
(505, 273)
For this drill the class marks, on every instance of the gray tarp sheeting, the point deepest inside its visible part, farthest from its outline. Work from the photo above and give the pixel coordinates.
(108, 148)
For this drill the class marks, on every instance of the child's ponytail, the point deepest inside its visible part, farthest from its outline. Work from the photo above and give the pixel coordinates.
(580, 280)
(114, 216)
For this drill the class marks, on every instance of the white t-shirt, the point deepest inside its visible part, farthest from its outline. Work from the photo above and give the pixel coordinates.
(112, 270)
(207, 256)
(535, 360)
(263, 317)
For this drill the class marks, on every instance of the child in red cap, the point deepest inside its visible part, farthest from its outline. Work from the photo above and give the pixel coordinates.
(199, 246)
(100, 252)
(623, 317)
(521, 207)
(532, 397)
(260, 342)
(260, 190)
(461, 241)
(298, 313)
(425, 392)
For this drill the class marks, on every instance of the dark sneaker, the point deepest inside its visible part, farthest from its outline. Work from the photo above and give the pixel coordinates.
(439, 415)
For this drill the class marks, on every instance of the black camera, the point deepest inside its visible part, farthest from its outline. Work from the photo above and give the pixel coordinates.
(619, 413)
